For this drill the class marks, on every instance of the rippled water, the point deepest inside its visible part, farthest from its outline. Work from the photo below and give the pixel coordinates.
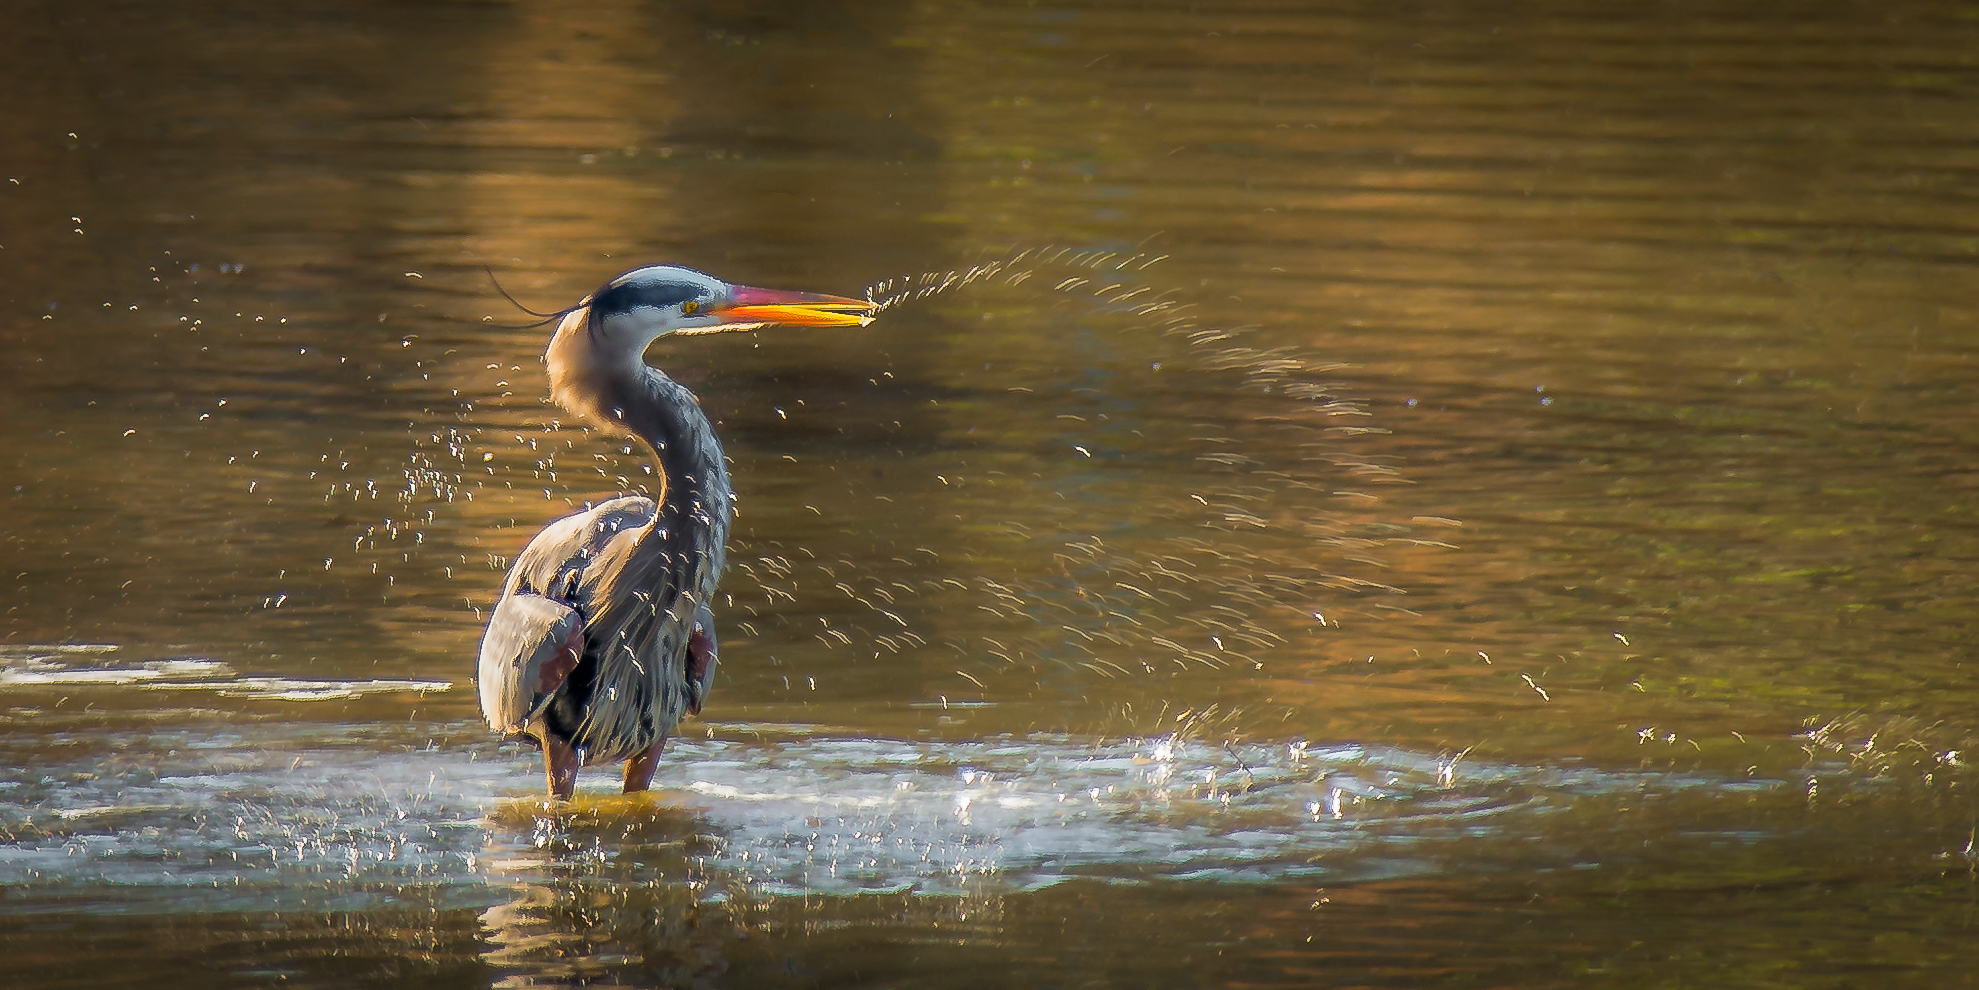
(1364, 495)
(784, 809)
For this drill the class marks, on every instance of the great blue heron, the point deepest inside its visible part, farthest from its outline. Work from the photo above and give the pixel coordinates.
(605, 634)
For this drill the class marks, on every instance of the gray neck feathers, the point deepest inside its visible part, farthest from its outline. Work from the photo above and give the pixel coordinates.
(666, 415)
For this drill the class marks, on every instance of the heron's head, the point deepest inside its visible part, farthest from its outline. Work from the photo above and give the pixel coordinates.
(607, 332)
(632, 310)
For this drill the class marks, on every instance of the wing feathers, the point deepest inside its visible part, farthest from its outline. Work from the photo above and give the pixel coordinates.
(521, 658)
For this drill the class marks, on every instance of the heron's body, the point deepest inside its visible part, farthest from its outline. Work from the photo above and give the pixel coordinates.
(604, 635)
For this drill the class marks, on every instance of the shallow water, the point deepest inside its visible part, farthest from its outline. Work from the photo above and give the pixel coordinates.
(1357, 495)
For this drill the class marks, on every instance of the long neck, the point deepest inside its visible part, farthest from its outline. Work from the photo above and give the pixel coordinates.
(624, 396)
(666, 415)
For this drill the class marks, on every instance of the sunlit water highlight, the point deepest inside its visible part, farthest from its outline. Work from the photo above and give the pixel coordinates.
(43, 665)
(180, 814)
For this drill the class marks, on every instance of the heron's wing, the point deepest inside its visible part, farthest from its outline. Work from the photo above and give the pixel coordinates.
(564, 561)
(545, 598)
(520, 661)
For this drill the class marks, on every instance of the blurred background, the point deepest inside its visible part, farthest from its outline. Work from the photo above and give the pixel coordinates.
(1340, 494)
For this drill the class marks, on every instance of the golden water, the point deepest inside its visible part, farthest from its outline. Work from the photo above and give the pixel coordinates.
(1361, 495)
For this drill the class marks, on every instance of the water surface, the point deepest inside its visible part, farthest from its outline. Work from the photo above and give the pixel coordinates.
(1362, 495)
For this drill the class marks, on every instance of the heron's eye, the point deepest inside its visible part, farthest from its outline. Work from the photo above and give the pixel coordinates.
(688, 308)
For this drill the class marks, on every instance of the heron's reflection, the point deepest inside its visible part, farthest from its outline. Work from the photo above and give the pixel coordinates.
(611, 890)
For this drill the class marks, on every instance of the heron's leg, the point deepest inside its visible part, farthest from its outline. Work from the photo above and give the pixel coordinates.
(557, 669)
(639, 769)
(560, 759)
(559, 756)
(701, 653)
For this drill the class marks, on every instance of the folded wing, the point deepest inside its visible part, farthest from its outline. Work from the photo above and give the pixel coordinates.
(525, 655)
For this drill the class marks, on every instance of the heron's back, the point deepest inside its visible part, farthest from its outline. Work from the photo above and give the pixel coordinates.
(635, 586)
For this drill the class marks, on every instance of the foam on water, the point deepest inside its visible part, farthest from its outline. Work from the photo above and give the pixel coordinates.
(227, 817)
(22, 666)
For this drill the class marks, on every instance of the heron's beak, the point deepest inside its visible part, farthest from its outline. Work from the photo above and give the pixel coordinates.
(753, 307)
